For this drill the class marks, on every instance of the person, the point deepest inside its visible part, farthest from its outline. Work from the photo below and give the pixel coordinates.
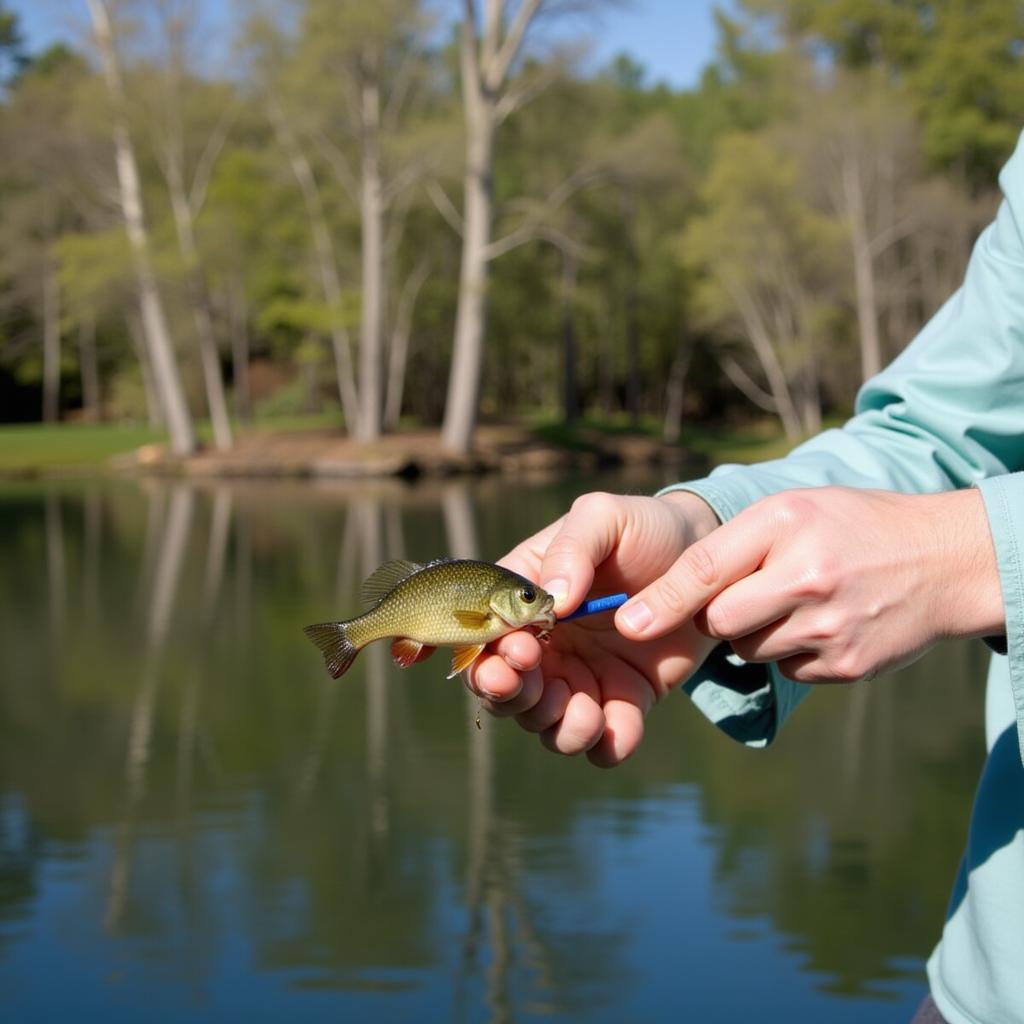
(851, 555)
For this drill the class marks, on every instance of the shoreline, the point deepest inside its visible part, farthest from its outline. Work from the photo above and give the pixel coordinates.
(326, 454)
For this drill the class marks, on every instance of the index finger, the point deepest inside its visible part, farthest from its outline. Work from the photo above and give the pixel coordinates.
(730, 552)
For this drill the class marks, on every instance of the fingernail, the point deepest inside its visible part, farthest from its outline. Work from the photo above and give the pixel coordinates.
(558, 589)
(501, 698)
(637, 616)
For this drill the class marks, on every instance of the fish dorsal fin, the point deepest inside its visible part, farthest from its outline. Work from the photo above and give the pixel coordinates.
(382, 581)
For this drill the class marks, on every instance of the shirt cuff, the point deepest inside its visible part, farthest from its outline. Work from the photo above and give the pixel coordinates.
(1004, 505)
(747, 701)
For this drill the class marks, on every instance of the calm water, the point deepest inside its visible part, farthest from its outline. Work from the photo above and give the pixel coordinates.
(195, 821)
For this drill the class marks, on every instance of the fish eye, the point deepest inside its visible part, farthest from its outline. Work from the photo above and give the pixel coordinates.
(528, 595)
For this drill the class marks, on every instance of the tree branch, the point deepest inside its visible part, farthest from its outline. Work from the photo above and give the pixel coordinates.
(498, 71)
(212, 150)
(533, 231)
(894, 233)
(402, 81)
(338, 163)
(468, 57)
(747, 385)
(445, 207)
(515, 99)
(405, 178)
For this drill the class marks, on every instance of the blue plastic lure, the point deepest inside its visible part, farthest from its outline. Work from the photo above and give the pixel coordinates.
(598, 604)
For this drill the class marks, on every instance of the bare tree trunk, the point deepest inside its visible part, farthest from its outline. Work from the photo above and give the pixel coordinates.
(239, 315)
(51, 344)
(863, 271)
(371, 207)
(208, 356)
(326, 264)
(606, 360)
(399, 350)
(760, 339)
(154, 403)
(675, 389)
(570, 371)
(92, 404)
(157, 333)
(486, 57)
(467, 353)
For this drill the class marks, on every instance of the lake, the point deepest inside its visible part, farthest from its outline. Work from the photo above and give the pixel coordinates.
(196, 821)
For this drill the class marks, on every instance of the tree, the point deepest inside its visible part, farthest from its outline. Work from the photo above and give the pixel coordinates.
(488, 52)
(154, 319)
(13, 58)
(267, 45)
(960, 63)
(860, 152)
(358, 75)
(187, 142)
(770, 265)
(48, 190)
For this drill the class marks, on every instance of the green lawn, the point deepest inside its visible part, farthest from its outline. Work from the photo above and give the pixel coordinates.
(32, 447)
(25, 448)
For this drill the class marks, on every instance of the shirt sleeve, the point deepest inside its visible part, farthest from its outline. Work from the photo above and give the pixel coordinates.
(947, 413)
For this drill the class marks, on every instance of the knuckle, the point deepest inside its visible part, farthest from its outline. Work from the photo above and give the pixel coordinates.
(849, 666)
(791, 508)
(819, 579)
(672, 596)
(595, 504)
(720, 620)
(826, 626)
(698, 561)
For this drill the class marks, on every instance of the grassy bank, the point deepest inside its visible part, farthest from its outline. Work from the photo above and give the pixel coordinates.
(32, 449)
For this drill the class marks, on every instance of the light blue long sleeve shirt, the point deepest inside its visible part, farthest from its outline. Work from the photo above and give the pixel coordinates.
(947, 413)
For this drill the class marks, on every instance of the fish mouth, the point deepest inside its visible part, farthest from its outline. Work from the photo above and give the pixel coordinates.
(546, 616)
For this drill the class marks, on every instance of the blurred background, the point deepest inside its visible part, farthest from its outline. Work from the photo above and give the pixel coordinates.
(261, 238)
(674, 214)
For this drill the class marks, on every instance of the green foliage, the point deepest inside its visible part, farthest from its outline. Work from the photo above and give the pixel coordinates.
(12, 47)
(666, 201)
(960, 60)
(755, 227)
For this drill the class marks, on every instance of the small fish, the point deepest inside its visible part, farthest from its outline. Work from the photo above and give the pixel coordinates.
(448, 603)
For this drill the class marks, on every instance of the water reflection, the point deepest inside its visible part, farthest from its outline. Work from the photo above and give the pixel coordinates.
(194, 815)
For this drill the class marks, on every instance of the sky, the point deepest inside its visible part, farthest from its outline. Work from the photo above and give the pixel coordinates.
(672, 39)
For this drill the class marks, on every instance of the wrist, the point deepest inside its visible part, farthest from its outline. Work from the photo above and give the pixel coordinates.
(697, 517)
(967, 569)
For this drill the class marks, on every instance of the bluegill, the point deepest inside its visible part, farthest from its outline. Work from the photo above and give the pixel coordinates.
(456, 603)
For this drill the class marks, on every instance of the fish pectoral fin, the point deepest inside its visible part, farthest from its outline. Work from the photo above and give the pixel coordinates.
(471, 620)
(382, 581)
(405, 651)
(463, 657)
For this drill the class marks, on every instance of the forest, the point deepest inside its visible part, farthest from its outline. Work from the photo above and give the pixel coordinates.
(408, 212)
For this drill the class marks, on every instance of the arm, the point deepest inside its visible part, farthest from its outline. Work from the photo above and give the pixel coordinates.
(947, 414)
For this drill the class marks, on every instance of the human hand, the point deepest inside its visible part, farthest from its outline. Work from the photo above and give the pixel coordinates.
(833, 584)
(588, 688)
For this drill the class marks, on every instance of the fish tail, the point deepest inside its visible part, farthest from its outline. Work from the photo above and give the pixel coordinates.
(333, 640)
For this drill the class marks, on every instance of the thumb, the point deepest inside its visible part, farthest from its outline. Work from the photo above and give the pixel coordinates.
(704, 569)
(587, 536)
